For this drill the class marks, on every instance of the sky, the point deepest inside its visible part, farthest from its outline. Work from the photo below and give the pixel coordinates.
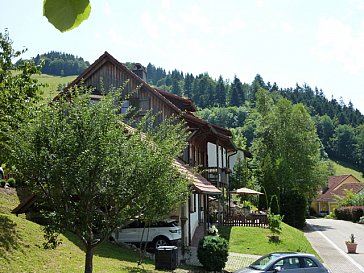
(317, 42)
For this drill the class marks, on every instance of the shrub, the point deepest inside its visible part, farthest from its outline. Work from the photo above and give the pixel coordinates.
(2, 183)
(331, 215)
(361, 220)
(293, 207)
(11, 182)
(213, 253)
(352, 213)
(275, 221)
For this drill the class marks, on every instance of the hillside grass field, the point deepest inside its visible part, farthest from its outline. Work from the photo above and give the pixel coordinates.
(51, 84)
(343, 169)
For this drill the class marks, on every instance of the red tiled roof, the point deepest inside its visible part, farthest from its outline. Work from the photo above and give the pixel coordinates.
(335, 189)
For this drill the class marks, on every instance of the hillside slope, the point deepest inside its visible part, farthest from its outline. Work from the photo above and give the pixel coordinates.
(50, 90)
(21, 248)
(341, 169)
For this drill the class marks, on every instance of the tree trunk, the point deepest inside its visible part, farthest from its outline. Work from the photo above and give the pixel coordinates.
(88, 260)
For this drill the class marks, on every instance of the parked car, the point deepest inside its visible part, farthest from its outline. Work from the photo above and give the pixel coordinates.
(161, 233)
(290, 262)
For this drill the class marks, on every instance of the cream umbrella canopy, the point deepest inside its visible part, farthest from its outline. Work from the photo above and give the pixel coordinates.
(243, 191)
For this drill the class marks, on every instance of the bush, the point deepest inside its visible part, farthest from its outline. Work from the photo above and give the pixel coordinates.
(331, 215)
(11, 182)
(2, 183)
(352, 213)
(293, 207)
(361, 220)
(213, 253)
(275, 222)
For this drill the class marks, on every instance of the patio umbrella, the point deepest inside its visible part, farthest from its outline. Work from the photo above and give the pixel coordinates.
(243, 191)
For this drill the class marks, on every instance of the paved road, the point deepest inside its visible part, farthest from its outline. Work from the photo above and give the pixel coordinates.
(328, 238)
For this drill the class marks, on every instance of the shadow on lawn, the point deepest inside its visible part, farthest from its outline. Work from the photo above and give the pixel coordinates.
(9, 237)
(112, 251)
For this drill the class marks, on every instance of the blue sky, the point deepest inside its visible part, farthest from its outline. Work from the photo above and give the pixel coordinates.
(318, 42)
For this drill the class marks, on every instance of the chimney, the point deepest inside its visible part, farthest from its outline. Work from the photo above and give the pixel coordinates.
(140, 70)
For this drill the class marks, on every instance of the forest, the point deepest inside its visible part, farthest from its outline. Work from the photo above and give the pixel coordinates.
(59, 64)
(233, 104)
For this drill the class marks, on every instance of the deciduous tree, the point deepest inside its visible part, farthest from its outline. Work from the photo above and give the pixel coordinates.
(93, 172)
(288, 151)
(18, 91)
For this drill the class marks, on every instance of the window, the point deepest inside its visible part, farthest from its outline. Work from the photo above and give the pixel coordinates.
(291, 263)
(193, 203)
(124, 106)
(140, 106)
(287, 264)
(309, 262)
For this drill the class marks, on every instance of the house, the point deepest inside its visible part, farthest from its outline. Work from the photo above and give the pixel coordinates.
(210, 147)
(326, 201)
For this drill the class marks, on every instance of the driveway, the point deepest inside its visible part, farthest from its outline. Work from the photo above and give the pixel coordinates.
(328, 238)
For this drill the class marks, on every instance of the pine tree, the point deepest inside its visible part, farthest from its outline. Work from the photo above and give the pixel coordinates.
(237, 97)
(220, 92)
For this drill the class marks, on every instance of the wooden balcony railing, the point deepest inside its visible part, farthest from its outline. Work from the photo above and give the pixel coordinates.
(216, 175)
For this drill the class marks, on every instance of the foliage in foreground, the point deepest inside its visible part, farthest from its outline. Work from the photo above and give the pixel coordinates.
(213, 253)
(18, 91)
(93, 172)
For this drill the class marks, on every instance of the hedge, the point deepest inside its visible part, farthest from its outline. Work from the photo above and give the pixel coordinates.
(352, 213)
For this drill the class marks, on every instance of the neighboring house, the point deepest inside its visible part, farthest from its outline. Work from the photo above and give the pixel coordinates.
(209, 146)
(326, 201)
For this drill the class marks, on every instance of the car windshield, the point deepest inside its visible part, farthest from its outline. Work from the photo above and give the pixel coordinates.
(262, 262)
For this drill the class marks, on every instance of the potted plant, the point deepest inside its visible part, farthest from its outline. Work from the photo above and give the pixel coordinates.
(351, 245)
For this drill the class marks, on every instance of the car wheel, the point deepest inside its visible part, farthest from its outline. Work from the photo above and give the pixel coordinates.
(160, 241)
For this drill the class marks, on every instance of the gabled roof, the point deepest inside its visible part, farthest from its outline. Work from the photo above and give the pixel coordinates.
(337, 187)
(181, 106)
(106, 57)
(182, 103)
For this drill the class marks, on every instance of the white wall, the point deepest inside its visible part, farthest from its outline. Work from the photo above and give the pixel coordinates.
(234, 158)
(211, 154)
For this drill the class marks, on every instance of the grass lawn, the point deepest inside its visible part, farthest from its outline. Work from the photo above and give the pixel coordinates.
(21, 248)
(255, 240)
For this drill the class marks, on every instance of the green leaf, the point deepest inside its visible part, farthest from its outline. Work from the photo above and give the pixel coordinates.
(66, 14)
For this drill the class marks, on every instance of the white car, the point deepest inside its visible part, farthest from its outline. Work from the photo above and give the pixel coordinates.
(158, 234)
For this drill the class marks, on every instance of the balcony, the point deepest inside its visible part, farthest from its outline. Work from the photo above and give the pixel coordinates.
(216, 175)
